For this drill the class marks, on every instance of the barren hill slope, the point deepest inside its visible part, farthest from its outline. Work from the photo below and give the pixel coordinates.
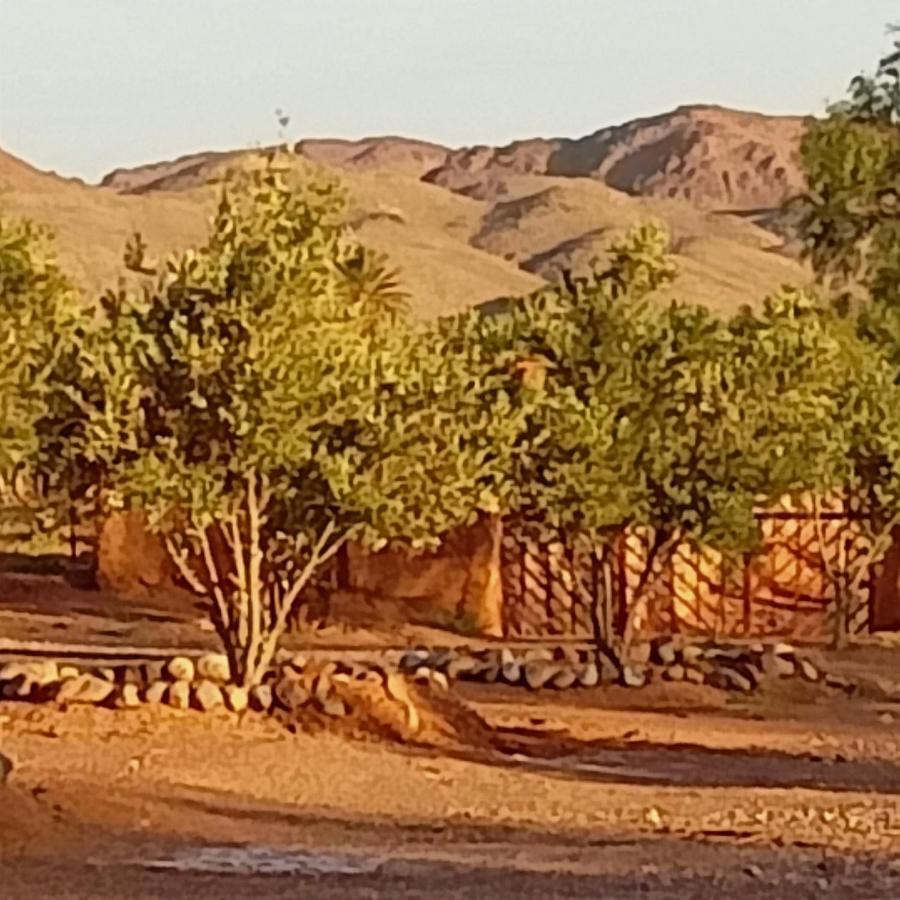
(92, 225)
(423, 228)
(466, 226)
(547, 225)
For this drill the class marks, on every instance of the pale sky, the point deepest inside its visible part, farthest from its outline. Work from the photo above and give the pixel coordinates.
(88, 85)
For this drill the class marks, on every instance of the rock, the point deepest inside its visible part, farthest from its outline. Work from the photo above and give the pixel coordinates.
(289, 693)
(440, 659)
(214, 667)
(298, 661)
(154, 670)
(462, 666)
(261, 698)
(783, 649)
(664, 651)
(236, 697)
(589, 676)
(131, 559)
(396, 688)
(693, 675)
(334, 707)
(609, 671)
(639, 653)
(207, 696)
(19, 688)
(507, 657)
(511, 672)
(423, 674)
(155, 692)
(674, 672)
(886, 718)
(692, 654)
(37, 672)
(180, 668)
(6, 768)
(839, 683)
(633, 676)
(538, 654)
(735, 680)
(778, 666)
(178, 696)
(726, 654)
(86, 688)
(565, 679)
(129, 696)
(106, 673)
(132, 675)
(753, 871)
(67, 672)
(412, 659)
(322, 686)
(808, 671)
(490, 674)
(753, 672)
(539, 674)
(440, 680)
(567, 654)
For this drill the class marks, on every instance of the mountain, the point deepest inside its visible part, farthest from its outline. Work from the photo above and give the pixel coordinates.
(714, 158)
(469, 225)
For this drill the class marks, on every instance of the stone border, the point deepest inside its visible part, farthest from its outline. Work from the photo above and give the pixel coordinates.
(203, 684)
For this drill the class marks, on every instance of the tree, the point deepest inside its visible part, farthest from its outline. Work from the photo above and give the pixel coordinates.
(38, 309)
(264, 410)
(849, 218)
(849, 221)
(673, 419)
(576, 471)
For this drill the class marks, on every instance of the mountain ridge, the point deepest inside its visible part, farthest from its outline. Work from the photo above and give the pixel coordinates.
(469, 225)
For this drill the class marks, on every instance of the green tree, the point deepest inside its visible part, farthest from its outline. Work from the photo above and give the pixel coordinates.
(38, 309)
(849, 219)
(673, 418)
(264, 409)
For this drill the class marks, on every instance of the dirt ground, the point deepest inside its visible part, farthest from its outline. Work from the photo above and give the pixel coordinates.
(41, 608)
(671, 791)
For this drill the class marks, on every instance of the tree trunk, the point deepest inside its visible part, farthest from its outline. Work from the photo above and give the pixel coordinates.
(840, 628)
(599, 603)
(252, 589)
(658, 556)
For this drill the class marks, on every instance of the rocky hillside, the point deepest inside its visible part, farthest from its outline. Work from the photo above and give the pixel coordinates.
(712, 157)
(469, 225)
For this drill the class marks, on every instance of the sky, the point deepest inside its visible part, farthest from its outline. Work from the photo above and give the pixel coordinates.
(90, 85)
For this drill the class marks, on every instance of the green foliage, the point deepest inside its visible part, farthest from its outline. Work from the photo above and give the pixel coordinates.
(849, 220)
(850, 223)
(673, 418)
(36, 307)
(265, 399)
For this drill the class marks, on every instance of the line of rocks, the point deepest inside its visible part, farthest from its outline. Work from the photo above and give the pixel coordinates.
(729, 667)
(204, 684)
(295, 682)
(179, 682)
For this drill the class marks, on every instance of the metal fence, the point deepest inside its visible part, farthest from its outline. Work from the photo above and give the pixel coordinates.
(782, 590)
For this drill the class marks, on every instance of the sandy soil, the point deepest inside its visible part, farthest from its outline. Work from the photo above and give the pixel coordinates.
(665, 792)
(671, 791)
